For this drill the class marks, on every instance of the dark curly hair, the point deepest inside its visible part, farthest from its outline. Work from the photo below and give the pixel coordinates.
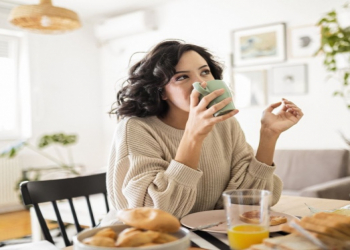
(141, 94)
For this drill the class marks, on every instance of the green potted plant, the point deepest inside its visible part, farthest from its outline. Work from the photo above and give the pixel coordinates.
(60, 164)
(335, 45)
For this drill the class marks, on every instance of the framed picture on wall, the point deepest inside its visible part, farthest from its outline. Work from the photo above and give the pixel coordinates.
(304, 41)
(259, 45)
(250, 88)
(289, 80)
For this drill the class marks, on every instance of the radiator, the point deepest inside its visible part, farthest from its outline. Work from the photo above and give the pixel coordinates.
(10, 173)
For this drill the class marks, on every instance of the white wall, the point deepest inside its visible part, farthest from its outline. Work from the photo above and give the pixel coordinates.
(74, 81)
(209, 23)
(65, 93)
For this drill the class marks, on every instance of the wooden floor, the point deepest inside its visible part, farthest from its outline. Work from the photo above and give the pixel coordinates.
(16, 225)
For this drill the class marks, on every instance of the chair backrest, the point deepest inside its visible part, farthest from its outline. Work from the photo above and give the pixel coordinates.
(35, 192)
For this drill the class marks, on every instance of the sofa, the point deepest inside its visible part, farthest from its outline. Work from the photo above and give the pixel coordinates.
(314, 173)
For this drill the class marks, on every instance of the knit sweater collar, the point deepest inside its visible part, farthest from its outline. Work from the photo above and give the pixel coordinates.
(165, 127)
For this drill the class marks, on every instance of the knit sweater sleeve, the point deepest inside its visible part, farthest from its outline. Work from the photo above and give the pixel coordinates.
(143, 174)
(247, 172)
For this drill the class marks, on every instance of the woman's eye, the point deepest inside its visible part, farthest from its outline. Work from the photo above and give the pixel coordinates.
(180, 78)
(206, 72)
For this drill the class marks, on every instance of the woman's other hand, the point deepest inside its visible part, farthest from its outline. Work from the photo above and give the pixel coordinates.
(289, 115)
(201, 120)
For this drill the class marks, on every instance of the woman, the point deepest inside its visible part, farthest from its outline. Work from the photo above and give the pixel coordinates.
(170, 152)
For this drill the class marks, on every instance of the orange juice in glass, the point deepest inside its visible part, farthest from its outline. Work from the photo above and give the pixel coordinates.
(243, 236)
(247, 213)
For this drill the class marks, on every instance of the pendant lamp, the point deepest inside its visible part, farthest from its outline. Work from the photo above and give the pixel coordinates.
(44, 18)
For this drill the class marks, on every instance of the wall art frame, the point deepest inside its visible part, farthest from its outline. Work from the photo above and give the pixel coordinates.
(289, 80)
(259, 45)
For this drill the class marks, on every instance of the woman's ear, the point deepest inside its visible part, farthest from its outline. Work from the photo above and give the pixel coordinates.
(163, 95)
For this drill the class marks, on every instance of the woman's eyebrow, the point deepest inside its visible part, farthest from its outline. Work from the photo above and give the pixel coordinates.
(177, 72)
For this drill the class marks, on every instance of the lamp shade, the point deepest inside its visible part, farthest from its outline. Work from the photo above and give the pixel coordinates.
(44, 18)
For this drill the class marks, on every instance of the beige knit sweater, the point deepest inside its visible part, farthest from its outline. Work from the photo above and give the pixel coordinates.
(142, 170)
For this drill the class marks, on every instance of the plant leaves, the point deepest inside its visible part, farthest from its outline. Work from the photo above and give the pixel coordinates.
(59, 138)
(13, 150)
(338, 93)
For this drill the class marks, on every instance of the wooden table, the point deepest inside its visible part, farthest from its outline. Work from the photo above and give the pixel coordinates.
(295, 206)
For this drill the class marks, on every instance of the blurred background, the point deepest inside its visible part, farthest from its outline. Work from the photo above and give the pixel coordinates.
(66, 83)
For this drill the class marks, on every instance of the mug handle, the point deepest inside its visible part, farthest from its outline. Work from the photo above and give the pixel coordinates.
(200, 89)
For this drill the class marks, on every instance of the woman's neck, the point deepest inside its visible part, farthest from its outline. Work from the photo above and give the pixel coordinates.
(176, 120)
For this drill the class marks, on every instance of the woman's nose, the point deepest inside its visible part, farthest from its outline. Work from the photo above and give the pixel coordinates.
(198, 79)
(203, 84)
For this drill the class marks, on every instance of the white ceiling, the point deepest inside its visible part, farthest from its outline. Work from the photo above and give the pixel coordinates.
(96, 8)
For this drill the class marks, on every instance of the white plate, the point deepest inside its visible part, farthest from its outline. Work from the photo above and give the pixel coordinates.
(212, 216)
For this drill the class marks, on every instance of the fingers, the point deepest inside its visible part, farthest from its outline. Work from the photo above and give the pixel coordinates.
(290, 107)
(208, 98)
(285, 101)
(273, 106)
(215, 108)
(224, 117)
(194, 98)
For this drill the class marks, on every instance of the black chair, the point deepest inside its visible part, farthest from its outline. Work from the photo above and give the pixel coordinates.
(35, 192)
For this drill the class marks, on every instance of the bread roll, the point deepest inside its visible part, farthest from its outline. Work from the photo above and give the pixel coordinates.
(102, 241)
(164, 238)
(107, 232)
(135, 238)
(149, 219)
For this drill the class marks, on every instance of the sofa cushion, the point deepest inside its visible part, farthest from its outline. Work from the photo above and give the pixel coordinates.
(335, 189)
(299, 169)
(291, 192)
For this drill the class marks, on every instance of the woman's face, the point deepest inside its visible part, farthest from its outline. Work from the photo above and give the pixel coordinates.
(190, 68)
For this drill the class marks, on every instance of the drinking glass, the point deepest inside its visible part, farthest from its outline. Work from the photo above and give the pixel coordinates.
(248, 218)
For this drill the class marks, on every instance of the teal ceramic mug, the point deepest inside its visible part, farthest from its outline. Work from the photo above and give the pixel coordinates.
(212, 86)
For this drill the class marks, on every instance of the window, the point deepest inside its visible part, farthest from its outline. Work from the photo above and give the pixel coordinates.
(14, 87)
